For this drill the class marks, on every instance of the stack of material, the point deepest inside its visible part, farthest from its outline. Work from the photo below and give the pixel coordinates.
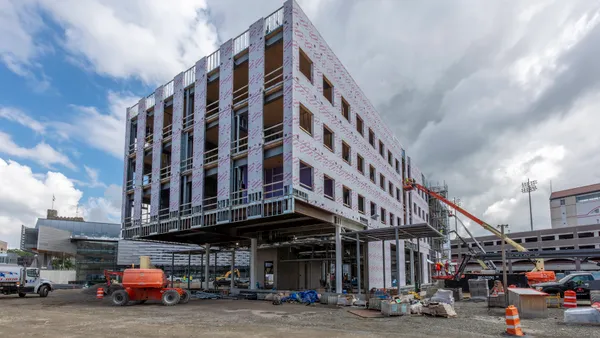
(582, 315)
(443, 296)
(375, 304)
(457, 294)
(393, 308)
(324, 298)
(594, 296)
(439, 310)
(345, 300)
(479, 289)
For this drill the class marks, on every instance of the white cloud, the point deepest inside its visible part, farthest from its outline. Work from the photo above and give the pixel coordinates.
(92, 180)
(106, 208)
(25, 196)
(150, 40)
(42, 153)
(18, 116)
(103, 131)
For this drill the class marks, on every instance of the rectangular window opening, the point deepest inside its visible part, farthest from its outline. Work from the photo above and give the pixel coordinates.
(346, 153)
(306, 176)
(306, 65)
(347, 197)
(360, 126)
(328, 138)
(345, 109)
(327, 90)
(361, 204)
(306, 120)
(329, 187)
(360, 164)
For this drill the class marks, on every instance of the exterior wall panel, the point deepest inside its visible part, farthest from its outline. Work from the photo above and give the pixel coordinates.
(225, 119)
(126, 164)
(175, 186)
(139, 161)
(199, 131)
(157, 151)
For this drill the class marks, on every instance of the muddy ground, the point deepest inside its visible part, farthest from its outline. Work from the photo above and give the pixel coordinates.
(72, 313)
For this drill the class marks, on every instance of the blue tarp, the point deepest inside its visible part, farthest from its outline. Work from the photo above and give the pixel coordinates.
(304, 297)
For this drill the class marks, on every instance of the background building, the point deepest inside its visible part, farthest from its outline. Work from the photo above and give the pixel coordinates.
(576, 237)
(3, 246)
(269, 140)
(577, 206)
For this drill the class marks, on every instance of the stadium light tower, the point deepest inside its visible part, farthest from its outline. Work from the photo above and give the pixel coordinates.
(528, 187)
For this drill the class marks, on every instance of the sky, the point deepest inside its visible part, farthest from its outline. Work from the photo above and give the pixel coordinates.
(482, 94)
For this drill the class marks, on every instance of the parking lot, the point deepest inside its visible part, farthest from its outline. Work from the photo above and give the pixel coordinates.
(71, 313)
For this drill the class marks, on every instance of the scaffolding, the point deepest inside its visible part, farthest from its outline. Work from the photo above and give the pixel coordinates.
(439, 219)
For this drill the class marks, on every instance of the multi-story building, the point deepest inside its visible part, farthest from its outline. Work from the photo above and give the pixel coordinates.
(577, 206)
(577, 237)
(3, 246)
(270, 139)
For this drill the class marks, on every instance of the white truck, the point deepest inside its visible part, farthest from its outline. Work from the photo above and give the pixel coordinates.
(22, 281)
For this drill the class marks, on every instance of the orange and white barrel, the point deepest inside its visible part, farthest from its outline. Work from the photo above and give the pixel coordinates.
(513, 322)
(100, 293)
(570, 299)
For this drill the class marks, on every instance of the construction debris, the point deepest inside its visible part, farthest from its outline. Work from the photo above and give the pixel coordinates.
(588, 315)
(439, 310)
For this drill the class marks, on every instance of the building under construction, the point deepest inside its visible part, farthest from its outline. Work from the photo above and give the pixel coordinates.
(269, 144)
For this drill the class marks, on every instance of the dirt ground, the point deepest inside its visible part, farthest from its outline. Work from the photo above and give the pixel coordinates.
(71, 313)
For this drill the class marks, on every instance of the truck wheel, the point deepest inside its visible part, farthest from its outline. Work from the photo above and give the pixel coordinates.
(170, 298)
(43, 291)
(185, 297)
(22, 294)
(120, 298)
(111, 289)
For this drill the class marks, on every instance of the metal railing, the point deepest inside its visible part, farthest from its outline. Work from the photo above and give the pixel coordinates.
(187, 164)
(275, 189)
(189, 76)
(168, 131)
(129, 185)
(239, 146)
(240, 96)
(133, 147)
(150, 101)
(239, 197)
(212, 109)
(145, 218)
(273, 133)
(163, 214)
(188, 121)
(168, 90)
(212, 61)
(241, 42)
(274, 21)
(149, 139)
(209, 203)
(274, 78)
(211, 156)
(185, 209)
(147, 179)
(165, 172)
(127, 222)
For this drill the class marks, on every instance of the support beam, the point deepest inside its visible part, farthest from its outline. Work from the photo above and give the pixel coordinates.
(397, 258)
(172, 268)
(383, 258)
(253, 260)
(207, 266)
(189, 270)
(232, 284)
(412, 266)
(358, 263)
(338, 259)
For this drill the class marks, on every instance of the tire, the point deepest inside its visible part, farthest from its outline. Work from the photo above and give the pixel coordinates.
(22, 295)
(170, 298)
(120, 298)
(185, 297)
(43, 291)
(111, 289)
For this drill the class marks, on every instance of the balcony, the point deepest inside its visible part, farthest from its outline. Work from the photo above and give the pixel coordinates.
(167, 131)
(185, 209)
(133, 147)
(165, 172)
(146, 218)
(147, 179)
(239, 146)
(188, 122)
(129, 185)
(187, 164)
(239, 197)
(127, 222)
(149, 140)
(273, 80)
(163, 214)
(273, 190)
(212, 110)
(273, 134)
(211, 156)
(240, 96)
(209, 203)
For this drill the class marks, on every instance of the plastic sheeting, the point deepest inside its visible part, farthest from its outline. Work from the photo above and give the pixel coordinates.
(304, 297)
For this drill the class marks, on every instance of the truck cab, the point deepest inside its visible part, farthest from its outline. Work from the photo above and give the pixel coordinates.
(22, 281)
(578, 282)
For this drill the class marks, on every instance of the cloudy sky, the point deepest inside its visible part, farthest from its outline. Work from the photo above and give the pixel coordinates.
(482, 94)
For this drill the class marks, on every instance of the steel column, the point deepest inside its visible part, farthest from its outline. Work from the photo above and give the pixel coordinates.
(338, 259)
(358, 263)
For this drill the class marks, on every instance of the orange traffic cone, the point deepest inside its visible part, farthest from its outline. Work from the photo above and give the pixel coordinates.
(513, 323)
(100, 293)
(570, 299)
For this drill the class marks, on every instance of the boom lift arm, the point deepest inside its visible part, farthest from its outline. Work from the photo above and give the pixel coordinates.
(410, 184)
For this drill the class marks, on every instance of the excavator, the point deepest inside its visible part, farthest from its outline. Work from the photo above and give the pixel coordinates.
(223, 280)
(537, 275)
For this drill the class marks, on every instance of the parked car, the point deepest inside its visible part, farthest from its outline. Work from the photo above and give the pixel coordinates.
(578, 282)
(175, 279)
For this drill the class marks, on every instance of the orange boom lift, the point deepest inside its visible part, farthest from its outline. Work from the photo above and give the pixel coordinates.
(537, 275)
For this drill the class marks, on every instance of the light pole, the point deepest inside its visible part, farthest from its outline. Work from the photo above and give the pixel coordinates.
(504, 277)
(528, 187)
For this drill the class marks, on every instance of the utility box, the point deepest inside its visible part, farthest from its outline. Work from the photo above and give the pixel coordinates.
(144, 278)
(530, 303)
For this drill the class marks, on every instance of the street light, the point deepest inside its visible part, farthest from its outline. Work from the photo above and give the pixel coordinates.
(528, 187)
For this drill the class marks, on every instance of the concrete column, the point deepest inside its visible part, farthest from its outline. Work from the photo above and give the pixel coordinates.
(289, 111)
(256, 69)
(177, 129)
(338, 259)
(199, 130)
(398, 272)
(358, 263)
(253, 261)
(578, 264)
(207, 265)
(383, 260)
(412, 266)
(157, 151)
(225, 120)
(232, 285)
(510, 267)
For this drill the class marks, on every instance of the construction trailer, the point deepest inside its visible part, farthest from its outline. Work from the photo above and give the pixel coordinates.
(268, 143)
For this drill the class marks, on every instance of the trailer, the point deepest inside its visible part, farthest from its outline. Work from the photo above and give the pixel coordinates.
(20, 280)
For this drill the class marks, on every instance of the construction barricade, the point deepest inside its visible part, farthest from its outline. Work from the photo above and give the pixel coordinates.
(513, 322)
(570, 299)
